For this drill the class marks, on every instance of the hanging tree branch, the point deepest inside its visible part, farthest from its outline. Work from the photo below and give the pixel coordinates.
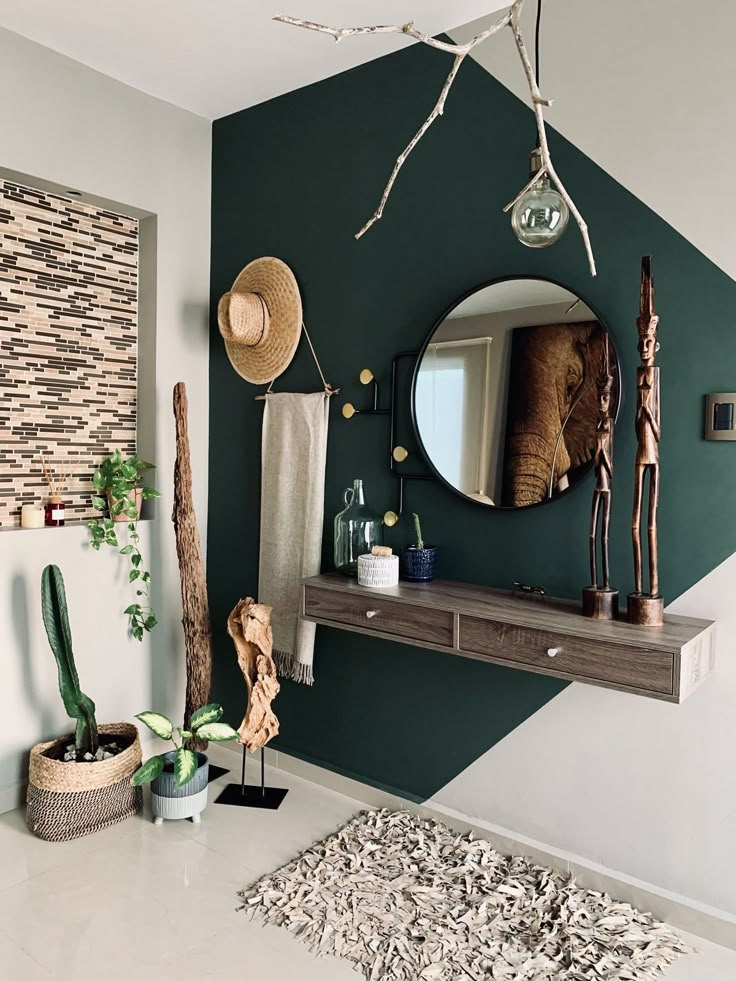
(459, 52)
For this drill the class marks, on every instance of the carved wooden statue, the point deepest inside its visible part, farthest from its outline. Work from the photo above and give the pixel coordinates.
(646, 608)
(249, 625)
(600, 601)
(196, 613)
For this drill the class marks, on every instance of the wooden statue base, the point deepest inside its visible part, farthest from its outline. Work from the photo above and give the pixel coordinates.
(600, 604)
(645, 610)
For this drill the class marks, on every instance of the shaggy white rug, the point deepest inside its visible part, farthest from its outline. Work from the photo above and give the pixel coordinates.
(406, 898)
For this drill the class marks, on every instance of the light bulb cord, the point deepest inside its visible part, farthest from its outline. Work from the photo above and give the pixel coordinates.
(537, 30)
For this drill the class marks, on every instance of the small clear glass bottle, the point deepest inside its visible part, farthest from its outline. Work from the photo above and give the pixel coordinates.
(357, 530)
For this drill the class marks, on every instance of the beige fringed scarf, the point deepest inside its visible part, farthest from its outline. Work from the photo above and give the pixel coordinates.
(294, 455)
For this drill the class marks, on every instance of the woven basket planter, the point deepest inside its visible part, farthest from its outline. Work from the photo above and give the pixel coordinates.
(69, 800)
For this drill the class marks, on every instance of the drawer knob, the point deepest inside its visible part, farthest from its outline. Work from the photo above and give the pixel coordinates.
(371, 613)
(553, 651)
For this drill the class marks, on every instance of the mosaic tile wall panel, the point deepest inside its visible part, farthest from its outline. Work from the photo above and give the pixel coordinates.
(68, 344)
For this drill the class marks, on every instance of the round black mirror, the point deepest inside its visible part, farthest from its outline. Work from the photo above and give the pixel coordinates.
(504, 397)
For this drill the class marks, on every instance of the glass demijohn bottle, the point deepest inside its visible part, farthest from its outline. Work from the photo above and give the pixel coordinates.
(357, 530)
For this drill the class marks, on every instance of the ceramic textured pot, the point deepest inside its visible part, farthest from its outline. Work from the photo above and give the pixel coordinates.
(136, 494)
(68, 800)
(174, 803)
(417, 564)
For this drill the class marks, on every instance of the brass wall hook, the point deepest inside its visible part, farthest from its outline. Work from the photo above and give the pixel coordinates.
(366, 377)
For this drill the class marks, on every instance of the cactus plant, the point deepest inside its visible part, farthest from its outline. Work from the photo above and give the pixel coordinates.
(56, 620)
(417, 561)
(418, 531)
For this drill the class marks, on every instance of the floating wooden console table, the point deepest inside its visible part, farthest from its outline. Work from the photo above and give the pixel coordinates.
(547, 637)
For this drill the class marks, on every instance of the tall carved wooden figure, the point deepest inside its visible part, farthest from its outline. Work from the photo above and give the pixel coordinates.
(646, 608)
(600, 601)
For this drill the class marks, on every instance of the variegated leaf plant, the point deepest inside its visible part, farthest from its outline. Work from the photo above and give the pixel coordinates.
(205, 724)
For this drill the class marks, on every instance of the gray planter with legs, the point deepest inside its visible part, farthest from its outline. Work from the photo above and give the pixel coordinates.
(173, 803)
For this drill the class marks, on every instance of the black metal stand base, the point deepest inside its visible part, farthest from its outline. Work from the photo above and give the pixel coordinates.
(239, 795)
(243, 795)
(216, 772)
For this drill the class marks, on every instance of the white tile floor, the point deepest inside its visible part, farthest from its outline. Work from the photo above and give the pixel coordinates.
(138, 901)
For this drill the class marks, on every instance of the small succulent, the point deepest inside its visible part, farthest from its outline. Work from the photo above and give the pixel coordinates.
(205, 725)
(418, 531)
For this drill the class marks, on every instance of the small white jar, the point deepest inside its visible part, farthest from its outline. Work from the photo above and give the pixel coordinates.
(378, 570)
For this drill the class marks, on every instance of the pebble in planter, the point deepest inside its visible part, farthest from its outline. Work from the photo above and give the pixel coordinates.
(179, 777)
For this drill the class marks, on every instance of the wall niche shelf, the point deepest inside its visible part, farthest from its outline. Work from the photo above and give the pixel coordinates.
(544, 636)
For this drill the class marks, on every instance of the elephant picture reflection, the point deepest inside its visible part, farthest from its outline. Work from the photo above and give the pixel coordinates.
(552, 409)
(504, 393)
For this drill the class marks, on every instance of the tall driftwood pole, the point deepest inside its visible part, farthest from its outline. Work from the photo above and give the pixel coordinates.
(196, 619)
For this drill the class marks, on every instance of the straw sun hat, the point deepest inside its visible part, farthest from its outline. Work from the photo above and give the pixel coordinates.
(260, 320)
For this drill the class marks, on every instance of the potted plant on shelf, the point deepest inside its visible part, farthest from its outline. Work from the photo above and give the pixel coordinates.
(79, 783)
(179, 777)
(418, 561)
(120, 481)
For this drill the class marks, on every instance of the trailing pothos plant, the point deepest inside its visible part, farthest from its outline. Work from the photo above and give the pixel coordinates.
(120, 480)
(204, 725)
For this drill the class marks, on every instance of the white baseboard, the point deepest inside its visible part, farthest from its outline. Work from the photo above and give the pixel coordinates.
(686, 914)
(12, 796)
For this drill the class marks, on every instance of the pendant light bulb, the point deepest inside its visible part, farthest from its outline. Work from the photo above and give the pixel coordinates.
(539, 218)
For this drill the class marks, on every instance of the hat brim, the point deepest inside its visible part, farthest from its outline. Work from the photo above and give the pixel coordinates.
(276, 283)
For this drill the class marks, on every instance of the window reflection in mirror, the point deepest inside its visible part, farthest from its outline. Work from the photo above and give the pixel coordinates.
(505, 392)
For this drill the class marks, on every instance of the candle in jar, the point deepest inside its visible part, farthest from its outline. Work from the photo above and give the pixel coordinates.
(32, 516)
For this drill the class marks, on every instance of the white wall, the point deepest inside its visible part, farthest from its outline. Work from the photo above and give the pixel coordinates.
(638, 786)
(70, 125)
(644, 88)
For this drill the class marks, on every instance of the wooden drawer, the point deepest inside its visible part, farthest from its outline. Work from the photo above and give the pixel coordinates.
(575, 657)
(384, 616)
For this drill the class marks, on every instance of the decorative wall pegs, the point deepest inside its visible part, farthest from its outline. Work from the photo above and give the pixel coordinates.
(366, 377)
(397, 453)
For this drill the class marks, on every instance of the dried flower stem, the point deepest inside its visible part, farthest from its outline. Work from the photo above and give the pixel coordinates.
(459, 52)
(57, 485)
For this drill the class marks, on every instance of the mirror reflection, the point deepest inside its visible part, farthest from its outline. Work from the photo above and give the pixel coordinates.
(505, 401)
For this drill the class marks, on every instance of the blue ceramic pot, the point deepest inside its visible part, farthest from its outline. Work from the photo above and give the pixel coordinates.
(417, 564)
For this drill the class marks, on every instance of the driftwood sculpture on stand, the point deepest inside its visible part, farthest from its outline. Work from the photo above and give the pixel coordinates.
(601, 602)
(646, 609)
(196, 618)
(249, 625)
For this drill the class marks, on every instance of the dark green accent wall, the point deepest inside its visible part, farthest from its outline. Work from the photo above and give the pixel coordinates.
(295, 178)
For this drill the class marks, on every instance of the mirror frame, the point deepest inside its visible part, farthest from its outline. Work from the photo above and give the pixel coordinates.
(616, 409)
